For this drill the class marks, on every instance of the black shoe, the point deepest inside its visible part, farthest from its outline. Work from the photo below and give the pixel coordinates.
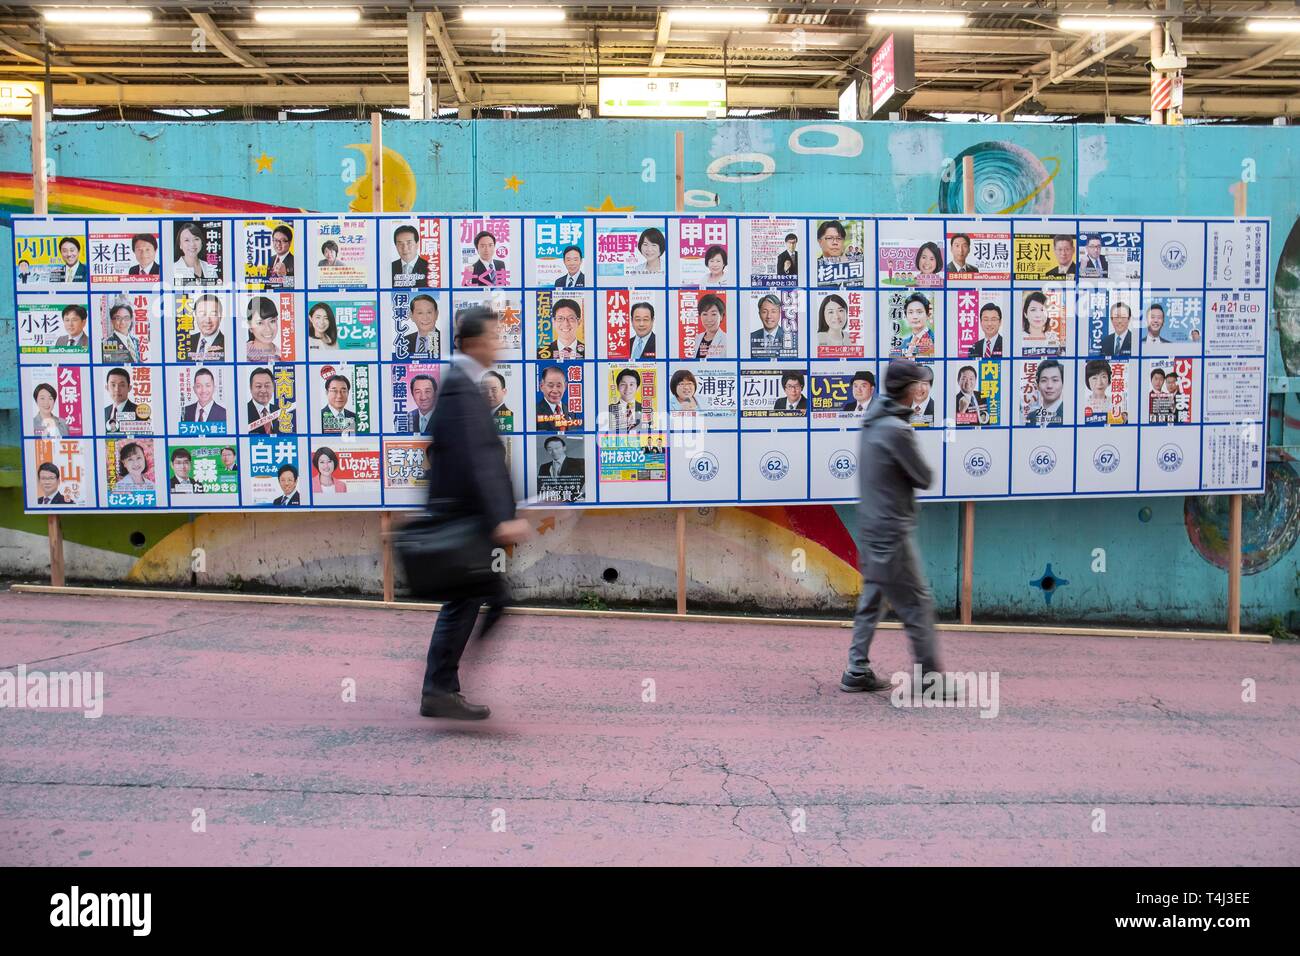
(855, 683)
(452, 706)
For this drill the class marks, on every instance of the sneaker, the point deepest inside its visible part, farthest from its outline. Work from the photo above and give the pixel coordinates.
(855, 683)
(452, 706)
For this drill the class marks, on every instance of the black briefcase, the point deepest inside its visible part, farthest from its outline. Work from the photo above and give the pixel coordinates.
(446, 555)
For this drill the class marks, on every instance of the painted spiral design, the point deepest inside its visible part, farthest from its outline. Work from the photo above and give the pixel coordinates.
(1008, 178)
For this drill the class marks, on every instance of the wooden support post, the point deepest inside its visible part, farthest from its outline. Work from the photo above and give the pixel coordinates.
(967, 507)
(1234, 505)
(41, 207)
(679, 154)
(377, 205)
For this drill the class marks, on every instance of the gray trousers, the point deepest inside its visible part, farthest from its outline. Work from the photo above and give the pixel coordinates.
(899, 581)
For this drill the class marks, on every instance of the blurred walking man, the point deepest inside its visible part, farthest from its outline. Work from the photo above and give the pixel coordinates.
(467, 475)
(891, 469)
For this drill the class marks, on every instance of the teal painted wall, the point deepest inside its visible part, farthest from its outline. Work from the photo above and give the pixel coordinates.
(1154, 573)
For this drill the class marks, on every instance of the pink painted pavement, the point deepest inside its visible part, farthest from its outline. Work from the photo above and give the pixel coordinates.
(237, 709)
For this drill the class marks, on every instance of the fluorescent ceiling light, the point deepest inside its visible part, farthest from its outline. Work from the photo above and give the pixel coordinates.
(1273, 26)
(940, 21)
(499, 15)
(117, 16)
(1105, 24)
(307, 16)
(707, 16)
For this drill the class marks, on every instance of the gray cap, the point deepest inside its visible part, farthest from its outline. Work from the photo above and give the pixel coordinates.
(903, 372)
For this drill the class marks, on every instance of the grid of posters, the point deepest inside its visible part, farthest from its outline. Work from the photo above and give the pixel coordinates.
(294, 361)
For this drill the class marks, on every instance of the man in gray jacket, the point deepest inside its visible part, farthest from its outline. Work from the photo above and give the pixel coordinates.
(891, 468)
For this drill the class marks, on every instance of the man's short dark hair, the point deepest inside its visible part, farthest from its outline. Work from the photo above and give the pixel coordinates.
(337, 378)
(769, 298)
(283, 230)
(1172, 373)
(959, 235)
(118, 371)
(49, 466)
(570, 304)
(292, 469)
(917, 297)
(1046, 364)
(568, 249)
(72, 239)
(1121, 305)
(628, 373)
(425, 297)
(78, 310)
(558, 370)
(792, 376)
(204, 371)
(260, 371)
(181, 453)
(1063, 238)
(1157, 371)
(427, 378)
(991, 307)
(711, 301)
(831, 224)
(415, 233)
(1154, 306)
(120, 307)
(547, 443)
(498, 376)
(487, 234)
(791, 235)
(642, 305)
(144, 237)
(967, 368)
(472, 323)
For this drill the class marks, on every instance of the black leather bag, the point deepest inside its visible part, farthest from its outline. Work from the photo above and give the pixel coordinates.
(446, 555)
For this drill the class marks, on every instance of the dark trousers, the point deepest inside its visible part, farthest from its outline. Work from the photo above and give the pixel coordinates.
(899, 580)
(451, 632)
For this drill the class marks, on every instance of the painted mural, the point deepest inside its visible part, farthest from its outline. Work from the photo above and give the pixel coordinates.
(778, 559)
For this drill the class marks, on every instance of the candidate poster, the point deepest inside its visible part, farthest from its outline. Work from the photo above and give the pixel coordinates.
(702, 395)
(127, 326)
(268, 251)
(59, 473)
(978, 252)
(977, 398)
(486, 253)
(273, 472)
(345, 472)
(56, 401)
(1040, 256)
(702, 326)
(774, 328)
(342, 399)
(202, 474)
(631, 252)
(131, 472)
(201, 399)
(130, 398)
(704, 252)
(343, 251)
(843, 323)
(52, 326)
(269, 327)
(1170, 391)
(199, 253)
(1105, 390)
(773, 252)
(560, 252)
(561, 469)
(910, 254)
(342, 325)
(124, 253)
(1045, 320)
(415, 256)
(841, 261)
(50, 260)
(1112, 254)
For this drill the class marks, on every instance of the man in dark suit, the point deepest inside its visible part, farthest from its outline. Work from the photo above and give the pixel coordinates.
(208, 343)
(560, 465)
(1094, 264)
(204, 408)
(145, 247)
(794, 399)
(487, 270)
(552, 405)
(70, 251)
(573, 277)
(410, 269)
(864, 387)
(74, 324)
(1063, 249)
(120, 408)
(288, 478)
(424, 342)
(264, 412)
(990, 346)
(336, 417)
(47, 478)
(467, 475)
(280, 270)
(643, 338)
(423, 392)
(787, 263)
(1120, 341)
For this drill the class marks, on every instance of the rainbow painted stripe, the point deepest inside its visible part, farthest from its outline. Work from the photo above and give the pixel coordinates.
(71, 195)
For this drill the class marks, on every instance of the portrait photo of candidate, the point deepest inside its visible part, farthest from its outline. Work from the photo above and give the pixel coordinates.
(573, 277)
(929, 259)
(204, 408)
(208, 343)
(48, 480)
(288, 480)
(182, 478)
(329, 253)
(643, 331)
(229, 458)
(45, 422)
(651, 244)
(120, 408)
(74, 328)
(264, 413)
(918, 342)
(424, 342)
(122, 344)
(830, 239)
(1048, 406)
(711, 341)
(1097, 375)
(494, 389)
(189, 267)
(280, 271)
(324, 466)
(989, 345)
(409, 269)
(70, 253)
(1063, 250)
(1152, 338)
(322, 326)
(336, 416)
(959, 254)
(1035, 321)
(921, 411)
(968, 398)
(132, 468)
(558, 463)
(1093, 265)
(864, 388)
(832, 322)
(263, 319)
(422, 391)
(552, 408)
(682, 388)
(566, 321)
(1118, 341)
(487, 268)
(794, 399)
(715, 261)
(787, 263)
(768, 340)
(144, 246)
(625, 415)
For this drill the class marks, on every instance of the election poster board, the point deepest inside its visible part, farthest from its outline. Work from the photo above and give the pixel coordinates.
(211, 363)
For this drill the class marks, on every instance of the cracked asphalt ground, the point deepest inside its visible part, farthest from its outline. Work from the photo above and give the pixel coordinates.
(237, 710)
